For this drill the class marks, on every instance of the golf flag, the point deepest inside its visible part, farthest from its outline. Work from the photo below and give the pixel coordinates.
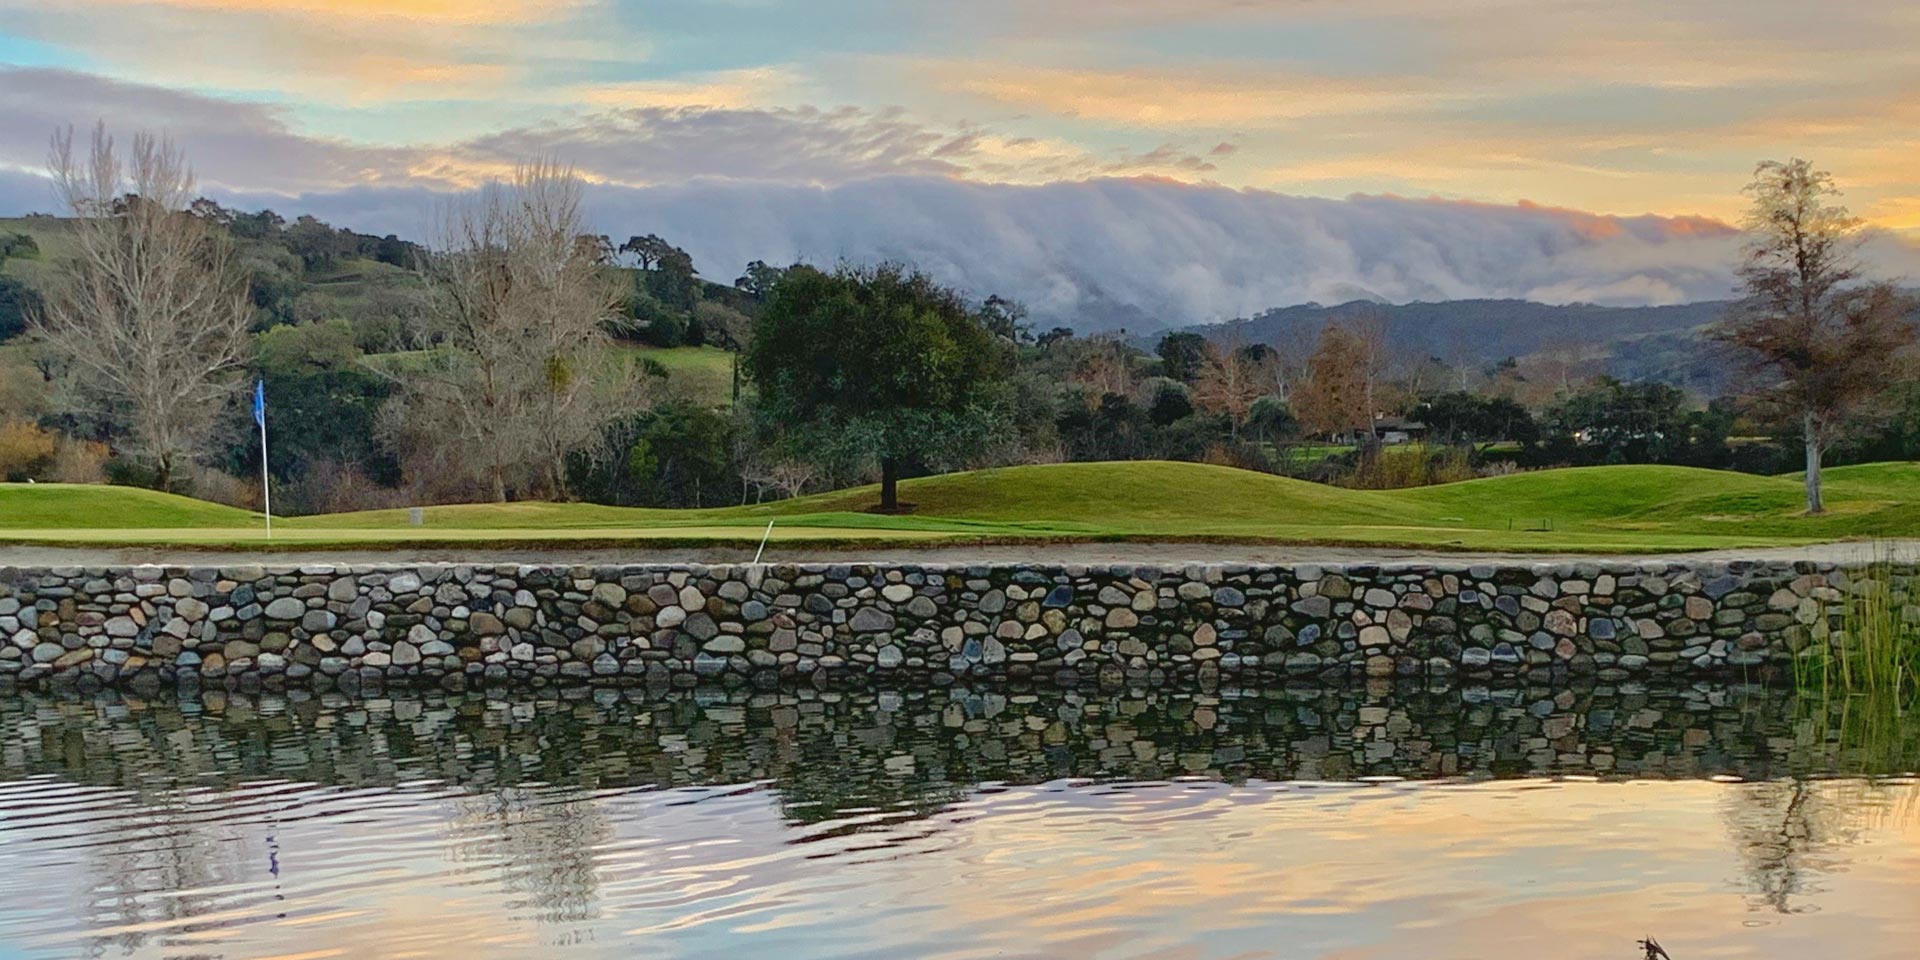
(260, 417)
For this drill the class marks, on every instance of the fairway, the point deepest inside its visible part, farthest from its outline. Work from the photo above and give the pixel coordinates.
(1624, 509)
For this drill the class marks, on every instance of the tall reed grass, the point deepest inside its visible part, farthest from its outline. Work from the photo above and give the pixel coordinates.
(1876, 647)
(1858, 734)
(1413, 465)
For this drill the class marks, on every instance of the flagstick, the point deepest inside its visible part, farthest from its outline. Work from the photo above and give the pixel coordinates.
(266, 492)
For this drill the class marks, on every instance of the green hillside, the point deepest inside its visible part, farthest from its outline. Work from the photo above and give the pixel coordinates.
(28, 506)
(49, 235)
(703, 375)
(1604, 509)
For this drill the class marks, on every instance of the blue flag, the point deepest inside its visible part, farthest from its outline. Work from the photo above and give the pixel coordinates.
(260, 402)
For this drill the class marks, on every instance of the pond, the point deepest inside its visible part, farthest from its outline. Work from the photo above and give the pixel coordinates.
(1371, 821)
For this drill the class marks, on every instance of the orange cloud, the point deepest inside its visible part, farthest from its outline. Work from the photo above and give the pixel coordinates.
(1896, 213)
(430, 11)
(730, 89)
(336, 51)
(1172, 99)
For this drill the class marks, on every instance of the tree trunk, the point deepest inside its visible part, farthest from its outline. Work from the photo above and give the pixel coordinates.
(1814, 503)
(889, 485)
(499, 477)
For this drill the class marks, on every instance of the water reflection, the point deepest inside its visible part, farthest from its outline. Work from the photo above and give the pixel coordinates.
(1382, 821)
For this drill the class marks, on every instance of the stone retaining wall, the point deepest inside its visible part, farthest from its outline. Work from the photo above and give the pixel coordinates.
(848, 623)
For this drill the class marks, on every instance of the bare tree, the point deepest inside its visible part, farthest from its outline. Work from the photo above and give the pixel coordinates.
(515, 371)
(1558, 369)
(1231, 378)
(1375, 362)
(1831, 343)
(789, 476)
(1341, 391)
(1108, 368)
(771, 464)
(1460, 351)
(1291, 357)
(148, 316)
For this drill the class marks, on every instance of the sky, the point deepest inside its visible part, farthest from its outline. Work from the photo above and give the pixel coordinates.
(1580, 150)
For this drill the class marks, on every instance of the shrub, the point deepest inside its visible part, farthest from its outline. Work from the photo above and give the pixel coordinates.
(78, 461)
(1391, 468)
(25, 450)
(205, 483)
(333, 486)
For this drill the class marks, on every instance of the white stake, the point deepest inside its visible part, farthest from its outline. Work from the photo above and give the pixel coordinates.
(763, 543)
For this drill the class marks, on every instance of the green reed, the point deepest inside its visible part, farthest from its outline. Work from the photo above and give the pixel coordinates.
(1875, 648)
(1862, 733)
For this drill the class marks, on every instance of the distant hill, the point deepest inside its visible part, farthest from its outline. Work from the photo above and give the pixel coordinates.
(1661, 343)
(1484, 328)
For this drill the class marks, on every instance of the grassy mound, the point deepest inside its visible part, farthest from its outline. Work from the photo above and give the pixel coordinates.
(1577, 494)
(1146, 494)
(1602, 509)
(41, 506)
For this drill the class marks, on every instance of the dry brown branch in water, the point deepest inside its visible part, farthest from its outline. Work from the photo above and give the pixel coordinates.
(1831, 344)
(148, 318)
(515, 370)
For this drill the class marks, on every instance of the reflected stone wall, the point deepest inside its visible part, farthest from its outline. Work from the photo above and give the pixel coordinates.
(830, 751)
(842, 624)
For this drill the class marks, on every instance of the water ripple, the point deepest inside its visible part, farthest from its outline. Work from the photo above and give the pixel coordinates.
(1329, 823)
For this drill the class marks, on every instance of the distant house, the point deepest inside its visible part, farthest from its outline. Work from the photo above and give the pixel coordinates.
(1393, 431)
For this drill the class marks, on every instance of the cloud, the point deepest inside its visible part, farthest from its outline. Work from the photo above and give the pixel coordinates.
(430, 11)
(1137, 253)
(354, 52)
(1099, 237)
(666, 144)
(654, 145)
(731, 89)
(245, 145)
(233, 144)
(1176, 98)
(1145, 253)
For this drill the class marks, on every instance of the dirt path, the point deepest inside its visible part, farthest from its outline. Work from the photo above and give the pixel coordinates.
(1161, 554)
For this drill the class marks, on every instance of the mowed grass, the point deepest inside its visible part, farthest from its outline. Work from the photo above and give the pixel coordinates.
(1622, 509)
(86, 506)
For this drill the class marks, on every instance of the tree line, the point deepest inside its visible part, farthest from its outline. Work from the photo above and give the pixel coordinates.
(514, 355)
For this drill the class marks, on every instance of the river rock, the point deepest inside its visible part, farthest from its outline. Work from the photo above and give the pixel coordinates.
(285, 608)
